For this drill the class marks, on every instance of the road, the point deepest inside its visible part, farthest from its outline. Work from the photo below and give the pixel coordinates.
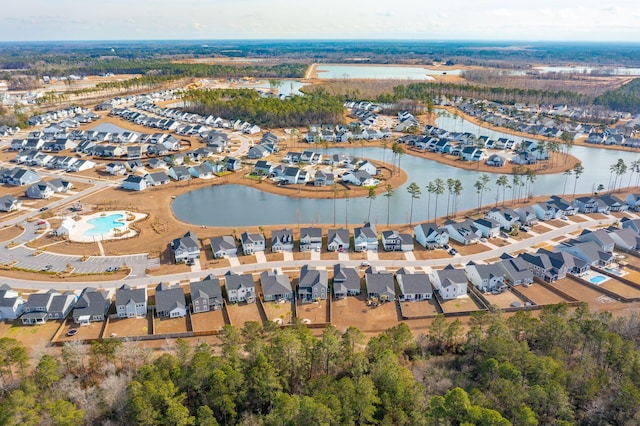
(142, 279)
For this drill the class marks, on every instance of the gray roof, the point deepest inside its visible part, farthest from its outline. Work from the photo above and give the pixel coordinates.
(275, 284)
(380, 283)
(169, 298)
(92, 302)
(125, 294)
(310, 278)
(516, 268)
(367, 231)
(58, 302)
(209, 288)
(313, 233)
(450, 275)
(489, 271)
(416, 283)
(251, 238)
(222, 243)
(189, 241)
(345, 278)
(342, 234)
(234, 281)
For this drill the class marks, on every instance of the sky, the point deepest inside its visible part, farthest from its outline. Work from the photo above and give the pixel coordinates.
(539, 20)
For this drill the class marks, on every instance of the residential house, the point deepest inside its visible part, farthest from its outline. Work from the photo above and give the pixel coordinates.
(465, 232)
(495, 160)
(223, 246)
(157, 179)
(563, 205)
(430, 236)
(170, 301)
(310, 239)
(395, 241)
(380, 286)
(257, 152)
(313, 284)
(507, 218)
(60, 185)
(614, 203)
(338, 240)
(21, 177)
(40, 190)
(365, 238)
(624, 239)
(61, 305)
(586, 204)
(633, 201)
(600, 236)
(131, 302)
(588, 251)
(275, 286)
(527, 215)
(542, 267)
(202, 171)
(206, 295)
(134, 183)
(252, 243)
(516, 270)
(346, 281)
(233, 164)
(450, 282)
(92, 305)
(262, 168)
(323, 178)
(634, 224)
(489, 228)
(40, 307)
(574, 265)
(282, 240)
(9, 203)
(239, 288)
(414, 286)
(358, 178)
(11, 303)
(486, 277)
(186, 248)
(179, 173)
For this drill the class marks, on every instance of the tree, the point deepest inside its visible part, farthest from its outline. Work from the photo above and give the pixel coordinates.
(371, 196)
(415, 192)
(388, 193)
(431, 188)
(450, 185)
(438, 190)
(457, 191)
(502, 181)
(578, 170)
(346, 208)
(567, 173)
(336, 191)
(481, 186)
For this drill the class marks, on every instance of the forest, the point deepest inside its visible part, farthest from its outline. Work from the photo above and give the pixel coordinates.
(557, 367)
(249, 105)
(625, 98)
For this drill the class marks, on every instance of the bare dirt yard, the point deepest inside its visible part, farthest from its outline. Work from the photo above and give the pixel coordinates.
(279, 312)
(170, 325)
(503, 300)
(86, 332)
(541, 295)
(618, 287)
(353, 311)
(579, 291)
(129, 327)
(313, 313)
(240, 313)
(418, 309)
(461, 304)
(30, 335)
(211, 321)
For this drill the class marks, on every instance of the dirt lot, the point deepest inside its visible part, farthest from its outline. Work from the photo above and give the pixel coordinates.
(30, 335)
(618, 287)
(579, 291)
(315, 313)
(418, 309)
(503, 300)
(353, 311)
(423, 254)
(461, 304)
(278, 311)
(86, 332)
(576, 218)
(391, 255)
(129, 327)
(170, 325)
(540, 295)
(470, 249)
(9, 233)
(208, 321)
(540, 229)
(557, 223)
(239, 313)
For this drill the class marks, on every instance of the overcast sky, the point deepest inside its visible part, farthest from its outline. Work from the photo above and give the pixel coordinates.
(587, 20)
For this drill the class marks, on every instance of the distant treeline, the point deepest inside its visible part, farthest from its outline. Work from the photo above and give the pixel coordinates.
(249, 105)
(624, 98)
(424, 91)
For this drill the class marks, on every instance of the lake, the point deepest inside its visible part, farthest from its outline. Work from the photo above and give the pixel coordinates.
(378, 72)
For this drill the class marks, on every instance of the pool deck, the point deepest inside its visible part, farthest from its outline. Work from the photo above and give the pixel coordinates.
(77, 234)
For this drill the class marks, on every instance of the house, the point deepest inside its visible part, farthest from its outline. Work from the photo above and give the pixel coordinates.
(624, 239)
(313, 284)
(430, 236)
(527, 216)
(338, 240)
(600, 236)
(262, 168)
(258, 151)
(134, 183)
(542, 267)
(634, 224)
(574, 265)
(9, 203)
(488, 227)
(60, 185)
(179, 173)
(346, 281)
(131, 302)
(586, 204)
(11, 303)
(186, 248)
(563, 205)
(233, 164)
(323, 179)
(516, 270)
(275, 286)
(201, 171)
(414, 286)
(614, 203)
(40, 190)
(291, 175)
(495, 160)
(157, 178)
(170, 301)
(633, 201)
(368, 167)
(282, 240)
(156, 163)
(365, 238)
(252, 243)
(395, 241)
(223, 246)
(487, 277)
(506, 217)
(92, 305)
(450, 282)
(588, 251)
(465, 232)
(61, 305)
(40, 307)
(380, 286)
(239, 288)
(358, 178)
(21, 177)
(206, 295)
(310, 239)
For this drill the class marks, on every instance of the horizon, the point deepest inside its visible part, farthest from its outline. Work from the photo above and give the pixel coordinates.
(68, 20)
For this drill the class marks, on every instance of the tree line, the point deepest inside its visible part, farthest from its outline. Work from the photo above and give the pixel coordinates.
(624, 98)
(560, 367)
(249, 105)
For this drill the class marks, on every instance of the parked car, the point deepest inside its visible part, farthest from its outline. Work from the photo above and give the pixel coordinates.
(446, 247)
(47, 267)
(453, 252)
(365, 264)
(44, 208)
(483, 240)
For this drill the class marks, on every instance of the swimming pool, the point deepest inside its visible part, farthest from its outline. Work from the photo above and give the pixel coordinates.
(597, 279)
(104, 224)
